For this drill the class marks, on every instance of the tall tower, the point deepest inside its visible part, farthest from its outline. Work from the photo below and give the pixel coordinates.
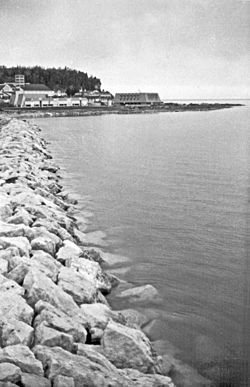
(19, 79)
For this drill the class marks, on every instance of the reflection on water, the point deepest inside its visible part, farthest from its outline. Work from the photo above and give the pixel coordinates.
(171, 192)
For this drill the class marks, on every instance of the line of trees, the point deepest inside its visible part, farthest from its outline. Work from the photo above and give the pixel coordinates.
(54, 78)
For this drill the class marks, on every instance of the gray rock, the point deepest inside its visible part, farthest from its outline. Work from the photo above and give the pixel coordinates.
(21, 216)
(60, 321)
(13, 332)
(69, 250)
(39, 287)
(98, 315)
(141, 294)
(141, 380)
(19, 272)
(45, 335)
(91, 271)
(14, 306)
(81, 289)
(3, 266)
(22, 243)
(46, 264)
(44, 243)
(31, 380)
(127, 347)
(82, 369)
(10, 286)
(22, 357)
(63, 381)
(54, 228)
(134, 319)
(9, 373)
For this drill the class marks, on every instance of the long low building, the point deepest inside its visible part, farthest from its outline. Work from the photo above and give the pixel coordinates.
(137, 99)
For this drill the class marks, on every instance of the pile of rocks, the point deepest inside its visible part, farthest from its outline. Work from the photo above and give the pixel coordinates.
(56, 327)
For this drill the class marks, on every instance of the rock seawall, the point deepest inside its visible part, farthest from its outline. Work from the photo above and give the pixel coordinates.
(56, 327)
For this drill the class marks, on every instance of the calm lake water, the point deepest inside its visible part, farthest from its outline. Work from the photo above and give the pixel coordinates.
(170, 191)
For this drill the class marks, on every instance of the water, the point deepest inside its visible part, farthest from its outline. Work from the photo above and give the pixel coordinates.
(170, 191)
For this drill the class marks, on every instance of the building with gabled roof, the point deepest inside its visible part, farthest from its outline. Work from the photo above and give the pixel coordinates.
(30, 91)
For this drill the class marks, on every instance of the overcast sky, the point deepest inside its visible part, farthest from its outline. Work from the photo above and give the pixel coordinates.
(179, 48)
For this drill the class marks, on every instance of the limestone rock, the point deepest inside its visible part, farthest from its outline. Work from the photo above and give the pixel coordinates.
(46, 263)
(81, 289)
(141, 380)
(53, 227)
(14, 306)
(7, 285)
(140, 294)
(45, 335)
(39, 287)
(127, 347)
(31, 380)
(22, 243)
(21, 216)
(82, 369)
(67, 251)
(13, 332)
(3, 266)
(63, 381)
(60, 321)
(22, 357)
(134, 318)
(9, 373)
(19, 272)
(91, 271)
(44, 243)
(98, 315)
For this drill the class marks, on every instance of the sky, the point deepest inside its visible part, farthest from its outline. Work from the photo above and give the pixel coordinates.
(178, 48)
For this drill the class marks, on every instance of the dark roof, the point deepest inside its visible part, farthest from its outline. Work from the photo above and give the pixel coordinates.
(35, 87)
(137, 98)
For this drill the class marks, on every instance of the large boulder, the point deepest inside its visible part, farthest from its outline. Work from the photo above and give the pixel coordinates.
(60, 321)
(98, 315)
(45, 335)
(69, 250)
(83, 370)
(46, 264)
(22, 244)
(22, 357)
(13, 331)
(74, 283)
(14, 306)
(3, 266)
(127, 347)
(63, 381)
(31, 380)
(141, 380)
(39, 287)
(144, 293)
(9, 373)
(10, 286)
(91, 271)
(21, 216)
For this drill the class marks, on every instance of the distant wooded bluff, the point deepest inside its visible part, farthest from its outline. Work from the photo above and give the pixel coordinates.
(54, 78)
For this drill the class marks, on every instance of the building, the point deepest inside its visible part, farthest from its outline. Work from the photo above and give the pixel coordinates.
(19, 79)
(30, 92)
(137, 99)
(98, 98)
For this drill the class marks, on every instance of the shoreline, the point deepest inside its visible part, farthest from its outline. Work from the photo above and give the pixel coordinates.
(56, 279)
(93, 111)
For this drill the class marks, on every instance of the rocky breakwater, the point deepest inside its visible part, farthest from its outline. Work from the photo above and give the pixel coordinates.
(56, 327)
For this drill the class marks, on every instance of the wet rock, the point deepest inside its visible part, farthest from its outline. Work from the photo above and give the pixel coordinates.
(9, 373)
(140, 294)
(141, 380)
(14, 306)
(22, 243)
(63, 381)
(45, 335)
(13, 332)
(60, 321)
(31, 380)
(133, 318)
(127, 347)
(94, 238)
(39, 287)
(22, 357)
(81, 289)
